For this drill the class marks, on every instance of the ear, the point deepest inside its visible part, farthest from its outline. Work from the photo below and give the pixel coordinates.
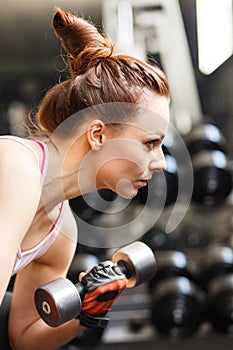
(96, 134)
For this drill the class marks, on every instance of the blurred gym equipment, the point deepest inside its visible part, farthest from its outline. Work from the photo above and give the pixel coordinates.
(217, 279)
(212, 173)
(91, 205)
(4, 314)
(177, 302)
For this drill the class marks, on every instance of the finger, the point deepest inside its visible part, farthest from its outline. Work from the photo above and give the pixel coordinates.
(81, 275)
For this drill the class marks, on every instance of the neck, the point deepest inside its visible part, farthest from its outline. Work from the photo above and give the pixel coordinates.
(66, 176)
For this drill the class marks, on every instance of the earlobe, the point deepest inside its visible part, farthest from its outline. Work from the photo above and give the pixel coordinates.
(96, 134)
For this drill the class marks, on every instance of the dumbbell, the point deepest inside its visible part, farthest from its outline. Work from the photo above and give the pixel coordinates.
(158, 239)
(85, 207)
(177, 302)
(60, 300)
(193, 236)
(212, 173)
(217, 279)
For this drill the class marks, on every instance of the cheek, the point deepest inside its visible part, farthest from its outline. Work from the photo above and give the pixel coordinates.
(128, 168)
(118, 169)
(125, 159)
(124, 153)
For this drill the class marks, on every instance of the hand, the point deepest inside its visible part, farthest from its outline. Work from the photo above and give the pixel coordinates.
(102, 286)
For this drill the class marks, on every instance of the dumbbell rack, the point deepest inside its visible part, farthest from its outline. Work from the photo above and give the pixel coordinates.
(129, 318)
(130, 326)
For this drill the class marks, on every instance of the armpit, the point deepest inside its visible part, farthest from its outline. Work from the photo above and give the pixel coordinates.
(69, 227)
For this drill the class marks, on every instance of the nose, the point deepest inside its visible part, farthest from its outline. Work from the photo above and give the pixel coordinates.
(158, 163)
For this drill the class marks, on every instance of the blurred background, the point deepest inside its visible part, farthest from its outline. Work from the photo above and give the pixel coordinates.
(30, 52)
(190, 301)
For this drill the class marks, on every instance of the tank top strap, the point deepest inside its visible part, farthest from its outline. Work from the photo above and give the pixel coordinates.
(45, 158)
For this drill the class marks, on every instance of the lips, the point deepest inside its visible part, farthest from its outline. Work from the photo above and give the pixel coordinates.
(146, 179)
(143, 182)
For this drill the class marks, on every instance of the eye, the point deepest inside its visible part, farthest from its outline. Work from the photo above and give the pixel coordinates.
(152, 144)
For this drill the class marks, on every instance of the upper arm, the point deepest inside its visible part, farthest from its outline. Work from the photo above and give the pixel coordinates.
(20, 189)
(53, 264)
(19, 198)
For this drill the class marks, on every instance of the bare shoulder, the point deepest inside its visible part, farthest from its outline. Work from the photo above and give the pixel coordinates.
(18, 158)
(18, 168)
(18, 145)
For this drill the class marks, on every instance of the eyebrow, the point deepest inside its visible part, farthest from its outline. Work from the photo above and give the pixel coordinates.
(159, 135)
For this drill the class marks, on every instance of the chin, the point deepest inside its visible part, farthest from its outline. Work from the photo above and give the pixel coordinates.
(128, 194)
(126, 189)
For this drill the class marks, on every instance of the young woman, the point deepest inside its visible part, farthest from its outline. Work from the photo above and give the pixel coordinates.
(101, 128)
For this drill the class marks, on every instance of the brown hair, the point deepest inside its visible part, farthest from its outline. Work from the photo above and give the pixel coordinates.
(98, 75)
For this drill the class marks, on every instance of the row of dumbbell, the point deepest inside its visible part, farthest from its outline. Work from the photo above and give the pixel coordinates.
(183, 297)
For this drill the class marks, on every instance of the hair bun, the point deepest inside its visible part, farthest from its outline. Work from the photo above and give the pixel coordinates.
(81, 40)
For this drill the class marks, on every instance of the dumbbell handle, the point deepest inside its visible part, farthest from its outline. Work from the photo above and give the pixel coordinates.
(124, 267)
(69, 295)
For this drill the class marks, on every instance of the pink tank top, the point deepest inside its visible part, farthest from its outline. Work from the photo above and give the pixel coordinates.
(25, 257)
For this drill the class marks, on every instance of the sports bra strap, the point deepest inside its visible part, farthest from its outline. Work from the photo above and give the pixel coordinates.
(44, 150)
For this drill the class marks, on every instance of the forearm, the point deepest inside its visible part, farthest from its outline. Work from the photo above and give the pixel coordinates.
(39, 336)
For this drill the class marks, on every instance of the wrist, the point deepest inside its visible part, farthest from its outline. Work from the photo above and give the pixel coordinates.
(89, 321)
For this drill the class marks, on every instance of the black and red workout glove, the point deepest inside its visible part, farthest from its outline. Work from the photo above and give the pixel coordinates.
(102, 286)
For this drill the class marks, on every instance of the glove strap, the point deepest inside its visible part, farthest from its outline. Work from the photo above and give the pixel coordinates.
(90, 321)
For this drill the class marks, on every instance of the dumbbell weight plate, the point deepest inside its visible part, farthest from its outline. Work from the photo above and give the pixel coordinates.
(205, 137)
(58, 301)
(140, 260)
(216, 261)
(212, 177)
(170, 263)
(220, 304)
(92, 204)
(177, 307)
(194, 236)
(158, 239)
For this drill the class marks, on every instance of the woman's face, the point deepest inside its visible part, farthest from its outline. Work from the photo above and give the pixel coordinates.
(129, 159)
